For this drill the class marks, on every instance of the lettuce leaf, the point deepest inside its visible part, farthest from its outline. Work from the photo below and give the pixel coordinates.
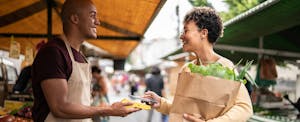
(218, 70)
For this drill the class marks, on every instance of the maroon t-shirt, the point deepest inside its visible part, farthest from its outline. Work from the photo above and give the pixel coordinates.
(52, 61)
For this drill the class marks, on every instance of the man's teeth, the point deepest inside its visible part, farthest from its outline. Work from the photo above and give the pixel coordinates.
(95, 30)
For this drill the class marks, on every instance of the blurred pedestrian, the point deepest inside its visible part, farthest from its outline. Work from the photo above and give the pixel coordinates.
(23, 84)
(155, 83)
(99, 92)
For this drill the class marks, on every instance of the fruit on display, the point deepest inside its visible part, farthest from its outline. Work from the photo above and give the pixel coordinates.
(22, 114)
(11, 118)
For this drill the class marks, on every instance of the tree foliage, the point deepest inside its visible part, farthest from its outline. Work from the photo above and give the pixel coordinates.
(235, 7)
(200, 3)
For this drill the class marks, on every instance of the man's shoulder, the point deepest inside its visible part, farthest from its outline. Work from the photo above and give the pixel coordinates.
(52, 50)
(55, 43)
(52, 47)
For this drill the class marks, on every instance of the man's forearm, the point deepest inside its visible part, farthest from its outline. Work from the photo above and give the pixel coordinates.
(77, 111)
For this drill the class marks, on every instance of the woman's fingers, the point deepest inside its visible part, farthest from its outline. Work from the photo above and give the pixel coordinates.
(151, 93)
(154, 96)
(192, 118)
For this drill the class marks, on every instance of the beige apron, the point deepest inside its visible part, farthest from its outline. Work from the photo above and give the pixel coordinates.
(78, 87)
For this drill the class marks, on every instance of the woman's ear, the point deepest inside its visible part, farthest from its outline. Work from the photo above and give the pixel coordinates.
(204, 32)
(74, 19)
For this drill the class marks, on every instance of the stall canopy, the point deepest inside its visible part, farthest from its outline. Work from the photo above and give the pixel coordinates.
(123, 23)
(269, 29)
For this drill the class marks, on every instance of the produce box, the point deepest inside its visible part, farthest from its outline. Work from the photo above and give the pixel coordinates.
(12, 105)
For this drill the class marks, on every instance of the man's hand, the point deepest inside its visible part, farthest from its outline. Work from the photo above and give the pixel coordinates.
(119, 109)
(152, 95)
(192, 118)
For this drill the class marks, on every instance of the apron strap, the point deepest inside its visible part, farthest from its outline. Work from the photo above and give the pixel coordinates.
(68, 47)
(83, 57)
(70, 50)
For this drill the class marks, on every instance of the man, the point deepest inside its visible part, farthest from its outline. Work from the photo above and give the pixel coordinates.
(61, 75)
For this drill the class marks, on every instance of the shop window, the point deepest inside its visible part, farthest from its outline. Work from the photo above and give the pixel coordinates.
(11, 74)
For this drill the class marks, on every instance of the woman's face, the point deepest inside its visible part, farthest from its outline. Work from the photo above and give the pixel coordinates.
(191, 37)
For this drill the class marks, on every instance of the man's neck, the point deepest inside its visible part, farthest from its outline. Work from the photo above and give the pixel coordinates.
(74, 41)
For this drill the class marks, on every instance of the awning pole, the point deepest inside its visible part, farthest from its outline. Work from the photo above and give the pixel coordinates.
(178, 24)
(261, 47)
(49, 19)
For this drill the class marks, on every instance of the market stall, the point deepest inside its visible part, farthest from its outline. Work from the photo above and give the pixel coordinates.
(24, 24)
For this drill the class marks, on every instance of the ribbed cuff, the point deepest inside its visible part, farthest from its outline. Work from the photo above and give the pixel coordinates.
(165, 106)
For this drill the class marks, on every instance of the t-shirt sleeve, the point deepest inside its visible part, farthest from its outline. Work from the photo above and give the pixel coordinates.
(50, 63)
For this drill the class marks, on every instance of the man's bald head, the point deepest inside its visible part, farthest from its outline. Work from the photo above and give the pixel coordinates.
(79, 19)
(73, 7)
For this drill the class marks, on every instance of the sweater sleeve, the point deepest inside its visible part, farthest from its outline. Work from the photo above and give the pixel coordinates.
(165, 106)
(240, 112)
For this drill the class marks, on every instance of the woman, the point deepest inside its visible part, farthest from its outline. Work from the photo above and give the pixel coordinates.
(202, 28)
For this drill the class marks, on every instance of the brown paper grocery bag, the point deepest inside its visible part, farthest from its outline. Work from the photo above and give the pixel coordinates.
(207, 96)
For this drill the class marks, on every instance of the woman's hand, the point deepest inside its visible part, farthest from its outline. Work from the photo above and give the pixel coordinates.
(152, 95)
(192, 118)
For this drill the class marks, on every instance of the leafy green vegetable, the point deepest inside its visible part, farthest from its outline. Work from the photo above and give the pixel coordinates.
(251, 79)
(244, 70)
(218, 70)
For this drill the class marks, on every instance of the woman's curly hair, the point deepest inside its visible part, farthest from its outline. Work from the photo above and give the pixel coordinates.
(206, 18)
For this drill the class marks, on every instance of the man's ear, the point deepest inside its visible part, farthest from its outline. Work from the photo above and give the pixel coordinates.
(74, 18)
